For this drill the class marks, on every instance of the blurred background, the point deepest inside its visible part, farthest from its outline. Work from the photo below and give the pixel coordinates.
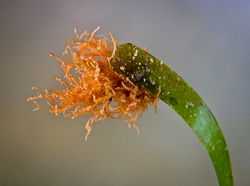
(205, 42)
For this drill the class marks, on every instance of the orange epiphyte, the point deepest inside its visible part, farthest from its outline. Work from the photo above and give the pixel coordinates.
(92, 85)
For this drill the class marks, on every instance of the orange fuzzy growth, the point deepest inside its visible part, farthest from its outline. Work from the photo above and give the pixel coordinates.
(96, 84)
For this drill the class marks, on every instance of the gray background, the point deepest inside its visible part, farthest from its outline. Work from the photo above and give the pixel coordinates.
(205, 42)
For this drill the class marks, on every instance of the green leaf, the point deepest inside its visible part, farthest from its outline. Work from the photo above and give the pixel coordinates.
(150, 73)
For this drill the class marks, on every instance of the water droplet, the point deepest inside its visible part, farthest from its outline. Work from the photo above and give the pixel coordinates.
(136, 52)
(151, 60)
(189, 104)
(122, 68)
(161, 65)
(213, 147)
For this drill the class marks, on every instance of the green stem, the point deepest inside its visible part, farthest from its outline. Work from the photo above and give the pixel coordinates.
(147, 71)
